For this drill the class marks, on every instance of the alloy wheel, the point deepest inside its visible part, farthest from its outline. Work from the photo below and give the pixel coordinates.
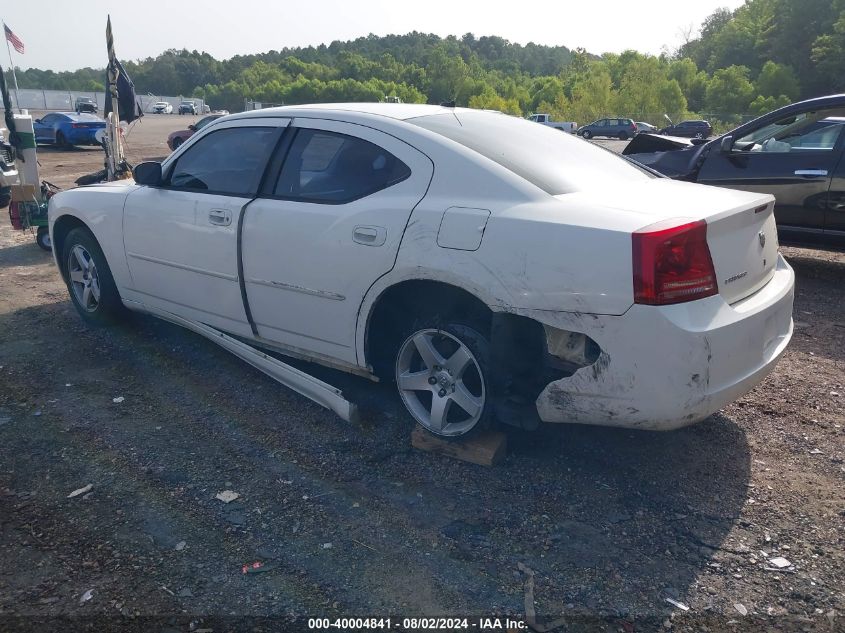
(84, 280)
(440, 382)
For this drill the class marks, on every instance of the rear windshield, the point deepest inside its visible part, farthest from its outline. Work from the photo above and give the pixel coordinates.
(556, 162)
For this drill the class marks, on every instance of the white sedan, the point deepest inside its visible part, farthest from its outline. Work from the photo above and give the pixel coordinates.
(494, 268)
(162, 107)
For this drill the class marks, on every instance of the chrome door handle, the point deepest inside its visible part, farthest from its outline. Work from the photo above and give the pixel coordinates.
(369, 235)
(811, 173)
(220, 217)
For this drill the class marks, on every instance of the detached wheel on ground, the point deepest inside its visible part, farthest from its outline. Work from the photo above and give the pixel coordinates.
(89, 280)
(42, 238)
(442, 374)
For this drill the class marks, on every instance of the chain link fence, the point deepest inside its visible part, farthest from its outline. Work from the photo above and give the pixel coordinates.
(65, 100)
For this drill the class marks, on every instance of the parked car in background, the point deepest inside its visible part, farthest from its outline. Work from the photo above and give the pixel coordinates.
(546, 119)
(67, 128)
(611, 128)
(162, 107)
(175, 139)
(187, 107)
(480, 261)
(689, 129)
(794, 153)
(646, 128)
(86, 104)
(206, 109)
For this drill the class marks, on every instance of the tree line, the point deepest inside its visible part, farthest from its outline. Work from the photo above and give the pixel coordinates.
(764, 54)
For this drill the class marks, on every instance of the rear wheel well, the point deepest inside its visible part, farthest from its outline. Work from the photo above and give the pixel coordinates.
(61, 228)
(399, 306)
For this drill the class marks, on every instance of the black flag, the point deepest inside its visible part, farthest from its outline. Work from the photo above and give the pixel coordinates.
(116, 78)
(9, 115)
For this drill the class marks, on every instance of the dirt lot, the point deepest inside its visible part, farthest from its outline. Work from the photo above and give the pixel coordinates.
(348, 520)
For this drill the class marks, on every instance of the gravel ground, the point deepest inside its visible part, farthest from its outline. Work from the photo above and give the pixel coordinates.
(349, 520)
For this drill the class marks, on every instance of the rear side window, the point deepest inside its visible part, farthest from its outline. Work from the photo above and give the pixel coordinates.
(556, 163)
(229, 161)
(335, 168)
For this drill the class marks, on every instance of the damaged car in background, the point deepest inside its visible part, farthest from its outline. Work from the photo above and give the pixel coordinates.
(481, 262)
(794, 153)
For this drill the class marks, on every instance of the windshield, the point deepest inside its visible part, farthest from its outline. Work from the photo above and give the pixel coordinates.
(554, 161)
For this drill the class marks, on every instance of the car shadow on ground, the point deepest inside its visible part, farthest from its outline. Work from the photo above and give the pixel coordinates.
(65, 149)
(612, 522)
(24, 254)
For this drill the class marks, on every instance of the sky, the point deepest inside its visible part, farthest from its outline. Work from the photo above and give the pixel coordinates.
(66, 35)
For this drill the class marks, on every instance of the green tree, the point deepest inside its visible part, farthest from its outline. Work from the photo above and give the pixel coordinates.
(729, 92)
(776, 80)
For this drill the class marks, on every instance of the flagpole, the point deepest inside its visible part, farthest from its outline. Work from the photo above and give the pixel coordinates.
(12, 68)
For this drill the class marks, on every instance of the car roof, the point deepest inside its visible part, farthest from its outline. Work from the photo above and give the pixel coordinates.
(85, 116)
(397, 111)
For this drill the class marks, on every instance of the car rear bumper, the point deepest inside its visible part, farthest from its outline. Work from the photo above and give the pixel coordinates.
(662, 368)
(82, 137)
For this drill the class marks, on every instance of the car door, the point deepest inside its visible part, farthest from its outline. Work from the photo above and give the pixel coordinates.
(325, 230)
(835, 212)
(793, 159)
(44, 129)
(181, 238)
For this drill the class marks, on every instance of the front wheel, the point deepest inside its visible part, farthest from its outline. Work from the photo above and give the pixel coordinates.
(442, 377)
(89, 280)
(587, 134)
(699, 135)
(42, 238)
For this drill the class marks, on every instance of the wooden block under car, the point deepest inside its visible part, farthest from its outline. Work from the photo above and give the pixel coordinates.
(23, 193)
(486, 449)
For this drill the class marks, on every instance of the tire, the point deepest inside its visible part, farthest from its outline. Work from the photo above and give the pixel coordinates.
(622, 136)
(699, 135)
(176, 143)
(89, 280)
(587, 134)
(5, 197)
(42, 238)
(61, 141)
(442, 374)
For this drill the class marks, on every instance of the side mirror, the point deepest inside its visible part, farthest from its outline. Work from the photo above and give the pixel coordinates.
(148, 173)
(192, 127)
(726, 144)
(38, 120)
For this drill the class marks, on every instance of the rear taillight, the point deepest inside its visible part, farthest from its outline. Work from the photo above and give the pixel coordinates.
(672, 264)
(76, 126)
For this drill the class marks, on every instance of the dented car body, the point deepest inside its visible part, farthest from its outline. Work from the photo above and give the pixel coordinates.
(479, 260)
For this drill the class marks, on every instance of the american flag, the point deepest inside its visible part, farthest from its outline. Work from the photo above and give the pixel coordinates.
(14, 39)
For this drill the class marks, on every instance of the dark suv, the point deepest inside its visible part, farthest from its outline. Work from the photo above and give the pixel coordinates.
(622, 129)
(187, 107)
(689, 129)
(85, 104)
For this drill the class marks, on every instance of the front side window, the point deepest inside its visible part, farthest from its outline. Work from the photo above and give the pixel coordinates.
(229, 161)
(335, 168)
(808, 131)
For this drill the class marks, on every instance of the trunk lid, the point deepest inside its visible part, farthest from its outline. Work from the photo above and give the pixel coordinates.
(741, 231)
